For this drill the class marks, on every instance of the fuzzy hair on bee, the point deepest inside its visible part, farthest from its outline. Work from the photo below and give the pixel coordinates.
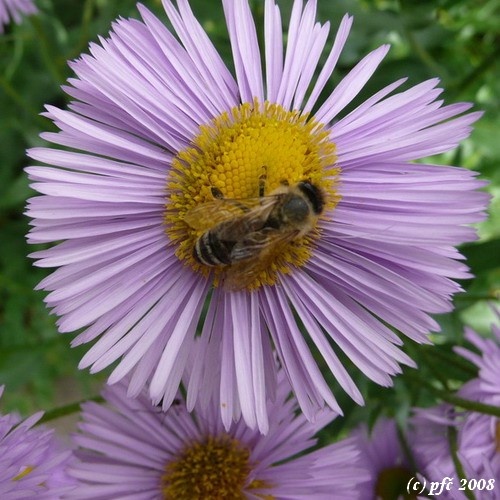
(238, 234)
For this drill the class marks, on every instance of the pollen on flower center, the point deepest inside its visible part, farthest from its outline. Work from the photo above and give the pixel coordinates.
(245, 155)
(215, 468)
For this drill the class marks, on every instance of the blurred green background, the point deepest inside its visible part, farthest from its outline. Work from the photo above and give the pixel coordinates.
(458, 41)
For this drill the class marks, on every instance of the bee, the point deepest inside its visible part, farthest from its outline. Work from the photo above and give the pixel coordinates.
(244, 235)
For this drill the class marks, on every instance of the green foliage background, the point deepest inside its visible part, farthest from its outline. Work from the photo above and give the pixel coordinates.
(458, 41)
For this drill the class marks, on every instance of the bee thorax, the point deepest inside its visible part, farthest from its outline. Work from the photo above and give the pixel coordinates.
(296, 210)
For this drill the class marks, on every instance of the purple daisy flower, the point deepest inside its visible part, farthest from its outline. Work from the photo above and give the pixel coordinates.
(14, 10)
(383, 456)
(477, 451)
(480, 434)
(180, 186)
(477, 435)
(486, 387)
(131, 449)
(430, 442)
(32, 464)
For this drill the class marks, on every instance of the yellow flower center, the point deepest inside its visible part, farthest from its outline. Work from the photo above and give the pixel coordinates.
(234, 163)
(216, 468)
(392, 483)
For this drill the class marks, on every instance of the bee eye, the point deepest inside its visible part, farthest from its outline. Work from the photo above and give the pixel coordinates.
(314, 195)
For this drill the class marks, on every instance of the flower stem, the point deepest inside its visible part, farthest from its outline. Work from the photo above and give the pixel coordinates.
(18, 99)
(452, 442)
(424, 55)
(46, 52)
(63, 411)
(448, 358)
(480, 70)
(466, 404)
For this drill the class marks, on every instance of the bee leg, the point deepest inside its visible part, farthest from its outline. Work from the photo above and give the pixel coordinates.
(284, 182)
(262, 185)
(216, 193)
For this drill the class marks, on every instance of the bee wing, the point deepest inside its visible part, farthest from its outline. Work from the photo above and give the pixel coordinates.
(254, 255)
(261, 243)
(207, 215)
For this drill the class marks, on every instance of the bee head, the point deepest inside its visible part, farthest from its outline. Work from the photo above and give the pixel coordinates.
(314, 195)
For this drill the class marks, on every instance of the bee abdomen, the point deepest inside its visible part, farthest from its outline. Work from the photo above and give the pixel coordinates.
(211, 251)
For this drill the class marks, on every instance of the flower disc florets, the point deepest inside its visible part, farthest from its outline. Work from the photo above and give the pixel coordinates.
(215, 468)
(243, 155)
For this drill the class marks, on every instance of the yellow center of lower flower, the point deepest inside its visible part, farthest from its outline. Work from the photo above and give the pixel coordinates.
(217, 468)
(232, 165)
(392, 484)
